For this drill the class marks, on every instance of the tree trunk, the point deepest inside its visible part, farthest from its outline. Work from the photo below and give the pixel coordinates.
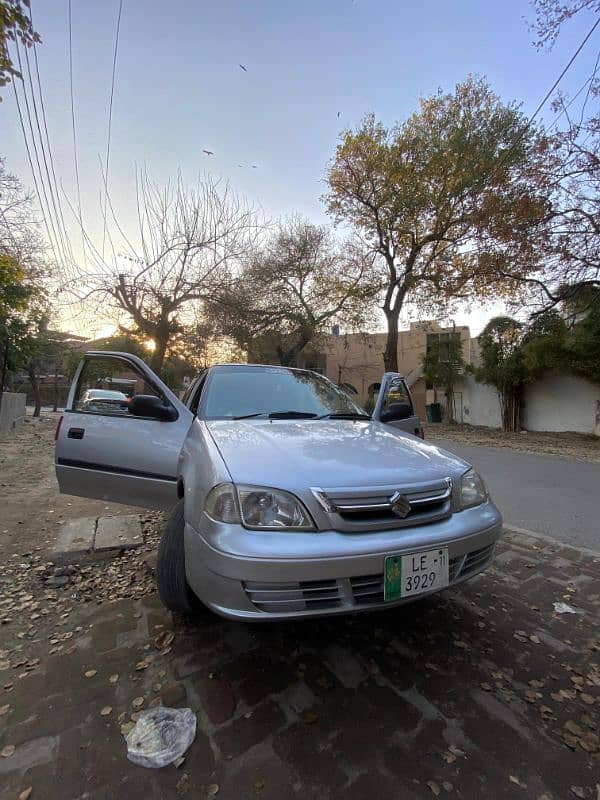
(450, 402)
(157, 359)
(161, 336)
(511, 410)
(55, 406)
(288, 356)
(390, 354)
(35, 388)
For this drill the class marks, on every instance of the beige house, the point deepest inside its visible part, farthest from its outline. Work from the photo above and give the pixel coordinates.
(356, 359)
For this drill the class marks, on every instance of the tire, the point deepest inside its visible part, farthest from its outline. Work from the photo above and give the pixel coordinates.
(172, 585)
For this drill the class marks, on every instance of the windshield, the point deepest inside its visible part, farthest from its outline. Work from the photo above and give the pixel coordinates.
(257, 391)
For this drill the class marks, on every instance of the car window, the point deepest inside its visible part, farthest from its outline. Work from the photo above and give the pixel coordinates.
(107, 385)
(396, 392)
(197, 393)
(238, 391)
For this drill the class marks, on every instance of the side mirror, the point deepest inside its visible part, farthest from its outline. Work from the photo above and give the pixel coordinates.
(148, 405)
(396, 411)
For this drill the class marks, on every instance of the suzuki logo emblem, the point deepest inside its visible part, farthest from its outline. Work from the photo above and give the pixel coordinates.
(400, 505)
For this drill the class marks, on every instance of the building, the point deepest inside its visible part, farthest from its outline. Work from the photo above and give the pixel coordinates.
(356, 359)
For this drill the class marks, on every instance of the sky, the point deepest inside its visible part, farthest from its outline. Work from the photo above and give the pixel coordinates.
(179, 89)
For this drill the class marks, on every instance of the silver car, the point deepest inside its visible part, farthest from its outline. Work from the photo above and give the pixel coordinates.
(286, 498)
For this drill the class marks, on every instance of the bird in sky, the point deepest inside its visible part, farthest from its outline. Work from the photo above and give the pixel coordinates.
(241, 66)
(339, 112)
(254, 166)
(208, 152)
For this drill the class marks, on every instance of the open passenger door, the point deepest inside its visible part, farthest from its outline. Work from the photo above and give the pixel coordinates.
(394, 405)
(121, 433)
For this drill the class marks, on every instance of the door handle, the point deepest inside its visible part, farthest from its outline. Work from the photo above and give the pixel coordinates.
(76, 433)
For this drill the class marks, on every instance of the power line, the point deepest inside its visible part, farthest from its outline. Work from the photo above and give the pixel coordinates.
(74, 131)
(112, 91)
(53, 189)
(51, 237)
(44, 120)
(520, 136)
(562, 74)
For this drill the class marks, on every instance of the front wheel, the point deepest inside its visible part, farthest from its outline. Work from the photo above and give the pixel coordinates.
(171, 582)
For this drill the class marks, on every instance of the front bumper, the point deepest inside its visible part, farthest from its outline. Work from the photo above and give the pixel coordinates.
(250, 575)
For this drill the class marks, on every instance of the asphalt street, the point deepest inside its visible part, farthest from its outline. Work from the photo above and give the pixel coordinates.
(559, 497)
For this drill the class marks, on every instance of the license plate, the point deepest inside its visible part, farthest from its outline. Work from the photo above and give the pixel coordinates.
(407, 576)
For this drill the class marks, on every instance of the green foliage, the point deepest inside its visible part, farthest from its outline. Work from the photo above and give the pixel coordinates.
(15, 294)
(503, 366)
(584, 350)
(545, 345)
(15, 24)
(120, 343)
(443, 363)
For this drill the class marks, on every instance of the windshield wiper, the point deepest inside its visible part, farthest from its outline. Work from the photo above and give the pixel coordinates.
(344, 415)
(292, 415)
(279, 415)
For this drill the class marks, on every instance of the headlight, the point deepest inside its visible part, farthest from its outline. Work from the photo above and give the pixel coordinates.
(221, 504)
(272, 509)
(472, 490)
(258, 508)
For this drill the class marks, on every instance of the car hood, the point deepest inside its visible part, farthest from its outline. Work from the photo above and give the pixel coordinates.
(327, 453)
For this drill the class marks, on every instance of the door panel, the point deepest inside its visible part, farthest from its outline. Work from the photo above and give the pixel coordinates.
(394, 390)
(105, 452)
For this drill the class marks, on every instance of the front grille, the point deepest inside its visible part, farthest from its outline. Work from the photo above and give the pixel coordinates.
(357, 591)
(301, 596)
(373, 509)
(477, 559)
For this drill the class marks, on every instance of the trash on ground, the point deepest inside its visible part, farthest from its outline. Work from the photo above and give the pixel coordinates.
(564, 608)
(160, 736)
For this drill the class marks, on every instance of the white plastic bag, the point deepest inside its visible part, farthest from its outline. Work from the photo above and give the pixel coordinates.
(563, 608)
(160, 736)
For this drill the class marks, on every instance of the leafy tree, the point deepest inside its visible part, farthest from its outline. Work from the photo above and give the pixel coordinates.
(291, 289)
(503, 366)
(15, 24)
(545, 344)
(440, 199)
(444, 365)
(583, 351)
(15, 297)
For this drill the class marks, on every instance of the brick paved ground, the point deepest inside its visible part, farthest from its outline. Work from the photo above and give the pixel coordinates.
(482, 691)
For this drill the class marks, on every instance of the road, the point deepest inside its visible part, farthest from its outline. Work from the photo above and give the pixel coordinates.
(559, 497)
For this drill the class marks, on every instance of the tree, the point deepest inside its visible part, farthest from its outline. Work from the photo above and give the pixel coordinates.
(503, 366)
(23, 272)
(188, 241)
(551, 14)
(443, 365)
(15, 296)
(440, 199)
(15, 25)
(290, 290)
(568, 232)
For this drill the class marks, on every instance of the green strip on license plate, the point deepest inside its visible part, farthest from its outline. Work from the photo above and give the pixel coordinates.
(393, 578)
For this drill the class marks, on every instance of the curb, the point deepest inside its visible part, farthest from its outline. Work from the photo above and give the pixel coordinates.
(549, 540)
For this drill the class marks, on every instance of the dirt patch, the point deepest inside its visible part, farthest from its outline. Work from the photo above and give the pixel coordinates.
(38, 597)
(567, 445)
